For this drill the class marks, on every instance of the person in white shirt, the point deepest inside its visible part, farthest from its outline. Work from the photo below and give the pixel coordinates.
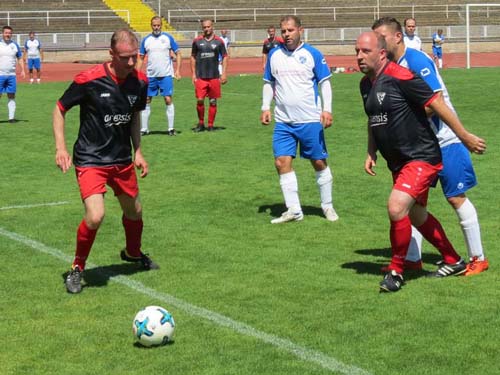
(294, 75)
(411, 40)
(158, 47)
(33, 55)
(10, 54)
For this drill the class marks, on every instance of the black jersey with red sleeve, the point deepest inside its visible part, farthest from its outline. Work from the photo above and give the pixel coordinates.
(395, 104)
(206, 53)
(107, 106)
(269, 44)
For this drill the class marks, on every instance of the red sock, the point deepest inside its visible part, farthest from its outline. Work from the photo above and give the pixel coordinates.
(434, 233)
(400, 235)
(84, 240)
(212, 111)
(200, 108)
(133, 235)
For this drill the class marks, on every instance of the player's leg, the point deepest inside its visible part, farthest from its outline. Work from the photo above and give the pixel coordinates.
(167, 90)
(313, 147)
(200, 92)
(124, 184)
(214, 93)
(38, 67)
(30, 69)
(285, 149)
(153, 89)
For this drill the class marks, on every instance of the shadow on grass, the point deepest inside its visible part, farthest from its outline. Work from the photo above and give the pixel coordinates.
(275, 210)
(374, 268)
(100, 276)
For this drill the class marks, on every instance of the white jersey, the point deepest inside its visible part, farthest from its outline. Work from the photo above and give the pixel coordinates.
(9, 54)
(423, 65)
(33, 48)
(413, 42)
(295, 76)
(158, 48)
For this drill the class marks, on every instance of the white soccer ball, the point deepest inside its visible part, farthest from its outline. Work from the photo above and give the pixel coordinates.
(153, 326)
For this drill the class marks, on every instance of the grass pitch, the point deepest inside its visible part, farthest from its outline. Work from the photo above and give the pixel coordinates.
(248, 297)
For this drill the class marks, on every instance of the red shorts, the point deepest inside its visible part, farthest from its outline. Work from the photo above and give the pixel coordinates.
(121, 178)
(207, 87)
(415, 179)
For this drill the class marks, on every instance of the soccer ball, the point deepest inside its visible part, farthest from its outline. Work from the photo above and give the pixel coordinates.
(153, 326)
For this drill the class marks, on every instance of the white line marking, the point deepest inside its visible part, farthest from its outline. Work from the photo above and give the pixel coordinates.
(301, 352)
(33, 205)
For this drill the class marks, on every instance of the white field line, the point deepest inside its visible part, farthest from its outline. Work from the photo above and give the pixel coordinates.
(33, 205)
(304, 353)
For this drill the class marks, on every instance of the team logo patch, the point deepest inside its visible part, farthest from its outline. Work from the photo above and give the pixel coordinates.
(105, 94)
(132, 99)
(302, 59)
(380, 97)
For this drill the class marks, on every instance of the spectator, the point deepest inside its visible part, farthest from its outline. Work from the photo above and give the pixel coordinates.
(34, 56)
(437, 47)
(10, 53)
(158, 47)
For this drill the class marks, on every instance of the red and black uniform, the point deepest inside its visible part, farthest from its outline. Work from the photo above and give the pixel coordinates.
(106, 109)
(269, 44)
(395, 103)
(207, 52)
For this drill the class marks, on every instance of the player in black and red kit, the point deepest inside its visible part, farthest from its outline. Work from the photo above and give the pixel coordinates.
(207, 80)
(395, 101)
(270, 42)
(110, 96)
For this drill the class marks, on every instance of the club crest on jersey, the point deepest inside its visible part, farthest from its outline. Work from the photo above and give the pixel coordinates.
(302, 59)
(132, 99)
(380, 97)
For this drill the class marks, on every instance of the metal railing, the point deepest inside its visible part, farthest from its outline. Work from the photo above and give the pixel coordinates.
(9, 16)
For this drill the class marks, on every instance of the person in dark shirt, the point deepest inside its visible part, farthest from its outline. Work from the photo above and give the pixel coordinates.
(270, 42)
(205, 53)
(110, 96)
(395, 102)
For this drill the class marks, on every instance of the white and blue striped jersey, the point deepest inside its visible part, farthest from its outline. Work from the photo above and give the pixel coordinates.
(295, 76)
(9, 54)
(32, 48)
(423, 65)
(158, 47)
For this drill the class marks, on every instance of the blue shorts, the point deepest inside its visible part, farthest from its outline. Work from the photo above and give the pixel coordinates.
(310, 136)
(437, 52)
(34, 63)
(458, 174)
(8, 84)
(162, 85)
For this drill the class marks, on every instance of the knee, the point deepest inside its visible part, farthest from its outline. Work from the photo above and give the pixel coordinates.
(213, 102)
(94, 219)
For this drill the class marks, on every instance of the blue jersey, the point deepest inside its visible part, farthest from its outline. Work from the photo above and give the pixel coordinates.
(423, 65)
(295, 76)
(437, 40)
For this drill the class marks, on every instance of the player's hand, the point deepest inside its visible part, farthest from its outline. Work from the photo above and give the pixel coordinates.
(140, 163)
(475, 144)
(223, 78)
(63, 160)
(370, 163)
(265, 117)
(326, 119)
(177, 75)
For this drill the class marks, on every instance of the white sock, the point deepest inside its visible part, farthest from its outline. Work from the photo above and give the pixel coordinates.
(290, 189)
(469, 222)
(38, 80)
(324, 179)
(11, 105)
(145, 118)
(415, 249)
(440, 63)
(170, 112)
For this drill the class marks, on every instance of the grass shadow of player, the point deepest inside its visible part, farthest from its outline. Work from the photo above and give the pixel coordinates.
(427, 258)
(163, 132)
(215, 128)
(275, 210)
(13, 121)
(99, 276)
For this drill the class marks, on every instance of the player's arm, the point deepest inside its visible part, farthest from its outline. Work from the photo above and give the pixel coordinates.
(140, 62)
(178, 64)
(223, 76)
(267, 98)
(193, 68)
(63, 159)
(326, 99)
(21, 64)
(471, 141)
(371, 158)
(135, 134)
